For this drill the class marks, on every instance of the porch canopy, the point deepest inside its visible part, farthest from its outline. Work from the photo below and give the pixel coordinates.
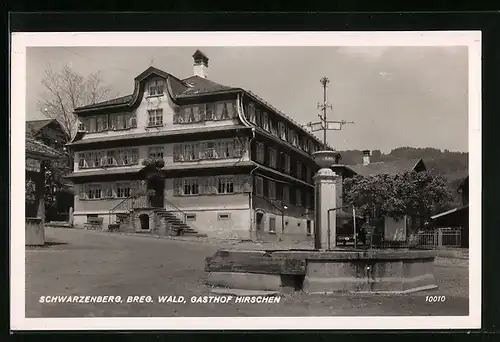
(456, 217)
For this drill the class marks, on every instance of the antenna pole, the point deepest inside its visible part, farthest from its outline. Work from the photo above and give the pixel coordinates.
(324, 124)
(324, 82)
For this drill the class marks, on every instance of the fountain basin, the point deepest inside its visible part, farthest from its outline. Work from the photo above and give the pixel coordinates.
(314, 271)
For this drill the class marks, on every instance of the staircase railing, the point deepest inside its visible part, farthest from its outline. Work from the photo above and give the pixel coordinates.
(126, 204)
(132, 202)
(175, 211)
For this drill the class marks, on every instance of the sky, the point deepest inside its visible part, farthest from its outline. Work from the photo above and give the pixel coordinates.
(396, 96)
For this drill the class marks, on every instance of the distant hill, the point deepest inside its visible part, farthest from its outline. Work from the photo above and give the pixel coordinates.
(451, 165)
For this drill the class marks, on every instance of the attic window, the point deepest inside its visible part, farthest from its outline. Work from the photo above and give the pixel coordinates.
(156, 88)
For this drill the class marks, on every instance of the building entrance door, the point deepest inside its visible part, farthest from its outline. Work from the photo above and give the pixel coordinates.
(157, 185)
(259, 219)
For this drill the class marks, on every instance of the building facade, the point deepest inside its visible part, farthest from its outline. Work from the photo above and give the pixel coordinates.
(224, 159)
(48, 132)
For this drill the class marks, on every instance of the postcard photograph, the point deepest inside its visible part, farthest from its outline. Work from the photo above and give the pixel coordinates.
(195, 180)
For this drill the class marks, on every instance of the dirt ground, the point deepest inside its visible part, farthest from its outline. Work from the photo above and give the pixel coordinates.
(80, 263)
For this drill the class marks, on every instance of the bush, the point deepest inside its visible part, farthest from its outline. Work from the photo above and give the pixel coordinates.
(154, 162)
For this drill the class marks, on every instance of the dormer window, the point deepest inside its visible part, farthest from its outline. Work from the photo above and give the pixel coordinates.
(295, 139)
(272, 127)
(251, 112)
(282, 130)
(83, 125)
(156, 88)
(310, 147)
(258, 117)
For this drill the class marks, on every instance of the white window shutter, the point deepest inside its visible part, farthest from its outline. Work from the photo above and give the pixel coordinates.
(177, 187)
(81, 191)
(238, 184)
(202, 185)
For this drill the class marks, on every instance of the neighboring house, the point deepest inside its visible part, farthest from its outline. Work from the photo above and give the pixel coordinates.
(392, 228)
(457, 217)
(232, 161)
(368, 169)
(48, 132)
(37, 155)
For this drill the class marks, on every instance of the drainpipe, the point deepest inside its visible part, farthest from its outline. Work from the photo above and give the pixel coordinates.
(250, 195)
(241, 116)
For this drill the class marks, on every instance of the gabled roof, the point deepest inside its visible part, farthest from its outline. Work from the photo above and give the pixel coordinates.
(36, 149)
(187, 88)
(385, 168)
(118, 101)
(34, 126)
(464, 183)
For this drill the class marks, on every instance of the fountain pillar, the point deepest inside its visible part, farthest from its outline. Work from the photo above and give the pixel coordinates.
(325, 195)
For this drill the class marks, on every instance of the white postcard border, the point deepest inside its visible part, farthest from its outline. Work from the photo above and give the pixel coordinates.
(19, 43)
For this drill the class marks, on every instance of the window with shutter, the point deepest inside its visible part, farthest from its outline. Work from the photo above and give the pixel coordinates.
(238, 184)
(271, 189)
(298, 197)
(209, 150)
(265, 121)
(120, 121)
(258, 118)
(286, 194)
(287, 163)
(209, 111)
(260, 151)
(259, 186)
(272, 157)
(251, 112)
(82, 191)
(178, 156)
(211, 185)
(81, 160)
(225, 110)
(299, 170)
(178, 187)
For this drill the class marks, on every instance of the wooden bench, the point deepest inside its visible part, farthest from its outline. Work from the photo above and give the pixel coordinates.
(94, 223)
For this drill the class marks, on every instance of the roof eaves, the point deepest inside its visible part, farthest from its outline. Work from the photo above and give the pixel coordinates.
(283, 115)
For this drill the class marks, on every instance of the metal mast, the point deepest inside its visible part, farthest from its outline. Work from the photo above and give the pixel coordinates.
(324, 124)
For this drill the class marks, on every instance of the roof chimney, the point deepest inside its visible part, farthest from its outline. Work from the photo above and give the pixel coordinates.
(200, 66)
(366, 157)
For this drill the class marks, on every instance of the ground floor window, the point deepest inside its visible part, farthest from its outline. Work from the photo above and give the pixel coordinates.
(123, 190)
(259, 186)
(272, 225)
(95, 191)
(191, 186)
(210, 185)
(226, 185)
(271, 189)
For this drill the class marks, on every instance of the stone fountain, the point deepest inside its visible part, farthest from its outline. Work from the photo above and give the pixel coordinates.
(326, 268)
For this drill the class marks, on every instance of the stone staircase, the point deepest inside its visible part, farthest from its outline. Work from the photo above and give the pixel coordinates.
(178, 226)
(168, 221)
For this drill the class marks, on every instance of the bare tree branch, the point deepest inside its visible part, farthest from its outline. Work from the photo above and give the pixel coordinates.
(66, 90)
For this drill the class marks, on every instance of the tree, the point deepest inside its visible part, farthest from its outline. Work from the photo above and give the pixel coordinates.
(414, 194)
(67, 90)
